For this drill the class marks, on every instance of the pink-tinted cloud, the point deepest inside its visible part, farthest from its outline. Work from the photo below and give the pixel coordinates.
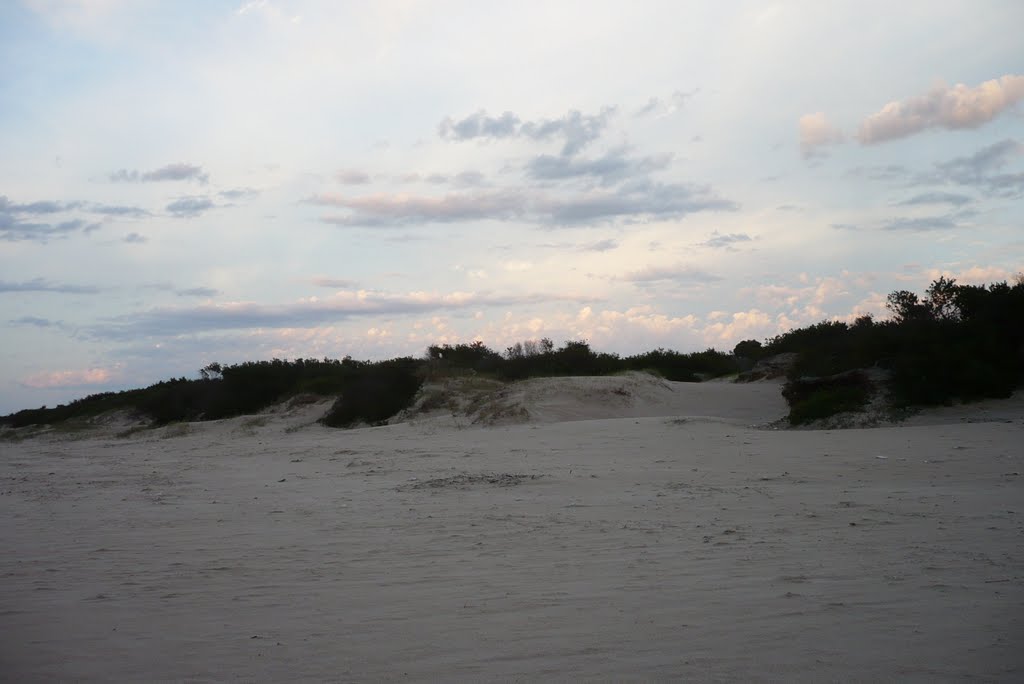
(817, 133)
(69, 378)
(950, 107)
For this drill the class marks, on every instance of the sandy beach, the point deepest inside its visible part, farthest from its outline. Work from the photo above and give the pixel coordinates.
(617, 529)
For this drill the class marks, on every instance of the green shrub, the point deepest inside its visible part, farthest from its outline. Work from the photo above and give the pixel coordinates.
(827, 402)
(376, 393)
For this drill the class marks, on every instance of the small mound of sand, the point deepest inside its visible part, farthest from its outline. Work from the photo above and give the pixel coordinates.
(561, 399)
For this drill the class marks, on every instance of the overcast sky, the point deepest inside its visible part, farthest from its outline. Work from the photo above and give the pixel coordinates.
(188, 182)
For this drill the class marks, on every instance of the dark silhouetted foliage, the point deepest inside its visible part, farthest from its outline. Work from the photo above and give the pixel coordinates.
(814, 398)
(959, 342)
(749, 349)
(376, 393)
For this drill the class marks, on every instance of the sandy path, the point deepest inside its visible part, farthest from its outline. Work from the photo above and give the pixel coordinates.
(633, 548)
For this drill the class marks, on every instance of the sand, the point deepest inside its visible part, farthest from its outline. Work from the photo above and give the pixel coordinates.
(661, 533)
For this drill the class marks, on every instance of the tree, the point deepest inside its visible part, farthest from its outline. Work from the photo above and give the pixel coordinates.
(942, 299)
(863, 322)
(213, 371)
(905, 306)
(515, 351)
(748, 349)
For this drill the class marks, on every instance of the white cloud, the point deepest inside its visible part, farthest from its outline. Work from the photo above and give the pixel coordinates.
(251, 6)
(743, 325)
(974, 275)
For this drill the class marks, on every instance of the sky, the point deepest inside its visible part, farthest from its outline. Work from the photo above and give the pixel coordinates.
(188, 182)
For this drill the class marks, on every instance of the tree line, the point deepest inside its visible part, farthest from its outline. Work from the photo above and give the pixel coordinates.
(957, 342)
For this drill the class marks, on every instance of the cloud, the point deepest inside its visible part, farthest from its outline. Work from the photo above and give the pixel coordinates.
(197, 292)
(171, 172)
(306, 313)
(336, 283)
(741, 325)
(352, 177)
(678, 273)
(480, 125)
(36, 208)
(464, 179)
(238, 193)
(605, 245)
(469, 179)
(922, 224)
(981, 170)
(880, 173)
(43, 285)
(639, 200)
(993, 157)
(719, 241)
(639, 327)
(399, 210)
(135, 238)
(659, 107)
(612, 167)
(36, 322)
(15, 227)
(120, 211)
(188, 207)
(816, 133)
(777, 295)
(653, 105)
(600, 246)
(642, 200)
(69, 378)
(929, 198)
(251, 6)
(956, 107)
(975, 275)
(18, 221)
(182, 292)
(576, 129)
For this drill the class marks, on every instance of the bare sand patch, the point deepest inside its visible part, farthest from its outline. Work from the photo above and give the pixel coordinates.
(672, 540)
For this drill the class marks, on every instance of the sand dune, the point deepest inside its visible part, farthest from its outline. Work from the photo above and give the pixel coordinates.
(601, 528)
(630, 395)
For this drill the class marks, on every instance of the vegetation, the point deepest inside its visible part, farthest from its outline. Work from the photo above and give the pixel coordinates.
(367, 392)
(817, 398)
(225, 391)
(958, 342)
(376, 393)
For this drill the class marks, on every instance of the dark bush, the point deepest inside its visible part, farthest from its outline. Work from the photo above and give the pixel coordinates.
(814, 398)
(376, 393)
(679, 367)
